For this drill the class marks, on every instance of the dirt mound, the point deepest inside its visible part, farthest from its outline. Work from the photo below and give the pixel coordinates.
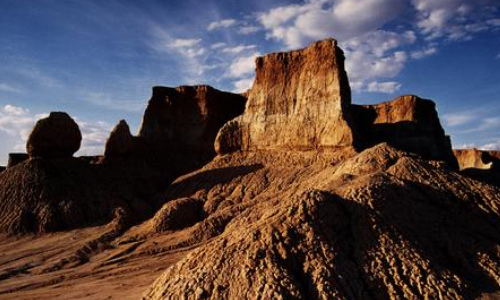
(383, 224)
(41, 195)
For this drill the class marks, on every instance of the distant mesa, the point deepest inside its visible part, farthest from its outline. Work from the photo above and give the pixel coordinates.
(56, 136)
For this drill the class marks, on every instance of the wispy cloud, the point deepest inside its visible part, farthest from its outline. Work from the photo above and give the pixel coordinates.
(388, 87)
(238, 49)
(5, 87)
(221, 24)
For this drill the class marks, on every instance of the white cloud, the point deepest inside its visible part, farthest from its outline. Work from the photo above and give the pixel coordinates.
(184, 43)
(373, 51)
(249, 29)
(243, 85)
(459, 118)
(217, 46)
(486, 123)
(388, 87)
(238, 49)
(94, 136)
(18, 123)
(493, 22)
(451, 19)
(243, 65)
(491, 146)
(296, 25)
(221, 24)
(419, 54)
(5, 87)
(191, 52)
(465, 146)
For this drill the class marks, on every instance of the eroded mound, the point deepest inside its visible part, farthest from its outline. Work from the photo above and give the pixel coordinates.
(383, 224)
(41, 195)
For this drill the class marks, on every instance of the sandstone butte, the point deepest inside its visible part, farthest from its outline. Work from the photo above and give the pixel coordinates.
(288, 191)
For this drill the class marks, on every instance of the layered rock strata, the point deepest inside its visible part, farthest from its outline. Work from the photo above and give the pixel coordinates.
(477, 159)
(299, 100)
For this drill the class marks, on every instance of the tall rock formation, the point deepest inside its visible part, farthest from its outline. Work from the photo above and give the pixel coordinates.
(120, 143)
(56, 136)
(187, 118)
(408, 123)
(300, 100)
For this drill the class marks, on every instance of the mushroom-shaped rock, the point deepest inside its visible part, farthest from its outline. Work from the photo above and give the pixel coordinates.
(120, 142)
(56, 136)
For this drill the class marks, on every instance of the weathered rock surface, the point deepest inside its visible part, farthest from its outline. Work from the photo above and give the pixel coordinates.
(187, 118)
(408, 123)
(383, 224)
(300, 100)
(177, 214)
(477, 159)
(56, 136)
(16, 158)
(2, 168)
(120, 143)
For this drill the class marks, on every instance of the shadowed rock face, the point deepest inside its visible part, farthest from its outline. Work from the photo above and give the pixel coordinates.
(16, 158)
(56, 136)
(299, 101)
(187, 118)
(408, 123)
(120, 142)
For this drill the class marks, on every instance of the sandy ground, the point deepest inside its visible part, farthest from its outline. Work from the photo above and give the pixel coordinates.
(52, 266)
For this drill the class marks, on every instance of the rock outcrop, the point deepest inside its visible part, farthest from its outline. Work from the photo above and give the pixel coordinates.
(53, 191)
(477, 159)
(187, 118)
(408, 123)
(120, 143)
(300, 100)
(56, 136)
(16, 158)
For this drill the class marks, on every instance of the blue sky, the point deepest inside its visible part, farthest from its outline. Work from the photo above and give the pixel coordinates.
(98, 60)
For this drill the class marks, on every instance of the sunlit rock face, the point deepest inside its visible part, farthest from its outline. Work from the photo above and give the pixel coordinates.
(300, 100)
